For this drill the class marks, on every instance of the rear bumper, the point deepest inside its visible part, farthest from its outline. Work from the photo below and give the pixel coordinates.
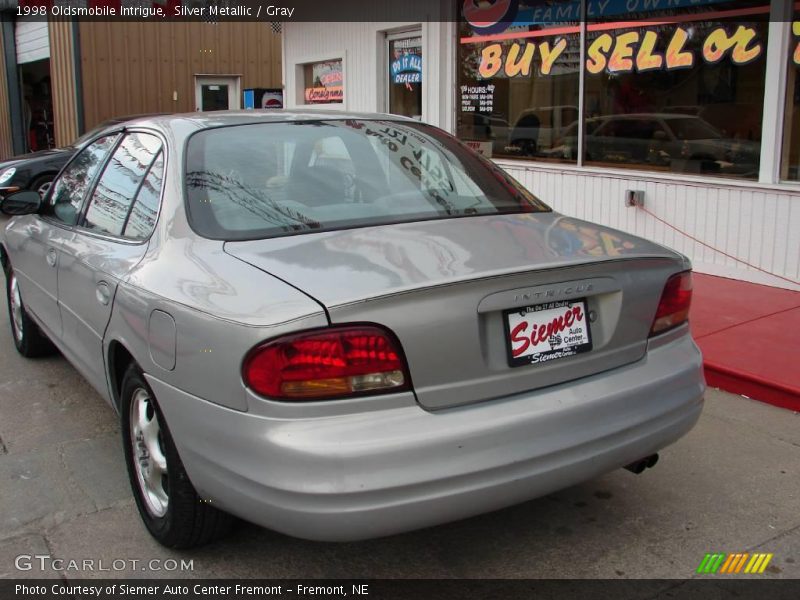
(370, 474)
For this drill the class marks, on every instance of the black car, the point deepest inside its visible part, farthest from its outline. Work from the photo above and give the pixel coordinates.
(35, 171)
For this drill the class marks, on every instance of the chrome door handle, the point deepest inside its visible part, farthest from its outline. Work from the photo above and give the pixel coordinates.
(103, 293)
(51, 257)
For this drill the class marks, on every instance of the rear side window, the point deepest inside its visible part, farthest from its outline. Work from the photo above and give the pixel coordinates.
(142, 219)
(119, 187)
(69, 190)
(270, 179)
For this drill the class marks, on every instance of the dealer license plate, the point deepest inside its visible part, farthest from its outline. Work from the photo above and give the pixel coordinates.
(546, 332)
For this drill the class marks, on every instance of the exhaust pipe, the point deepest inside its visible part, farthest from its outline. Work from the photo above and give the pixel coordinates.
(648, 462)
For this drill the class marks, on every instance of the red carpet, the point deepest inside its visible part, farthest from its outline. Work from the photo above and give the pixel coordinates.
(750, 338)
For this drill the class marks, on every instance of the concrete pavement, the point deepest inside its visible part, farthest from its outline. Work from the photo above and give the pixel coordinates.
(730, 486)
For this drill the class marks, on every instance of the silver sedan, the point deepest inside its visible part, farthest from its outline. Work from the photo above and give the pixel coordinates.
(343, 326)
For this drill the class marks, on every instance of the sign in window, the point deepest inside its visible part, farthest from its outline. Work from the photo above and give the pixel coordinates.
(323, 82)
(405, 76)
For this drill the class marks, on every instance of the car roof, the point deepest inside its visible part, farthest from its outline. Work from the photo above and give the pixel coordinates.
(665, 116)
(126, 118)
(534, 109)
(223, 118)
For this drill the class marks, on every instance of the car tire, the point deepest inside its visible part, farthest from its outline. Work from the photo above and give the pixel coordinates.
(29, 340)
(174, 514)
(42, 184)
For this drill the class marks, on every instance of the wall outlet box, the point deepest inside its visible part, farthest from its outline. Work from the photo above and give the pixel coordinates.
(634, 198)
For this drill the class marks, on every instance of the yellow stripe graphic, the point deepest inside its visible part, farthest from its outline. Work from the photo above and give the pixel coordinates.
(764, 564)
(753, 564)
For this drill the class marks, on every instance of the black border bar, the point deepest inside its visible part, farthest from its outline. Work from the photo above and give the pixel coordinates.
(706, 588)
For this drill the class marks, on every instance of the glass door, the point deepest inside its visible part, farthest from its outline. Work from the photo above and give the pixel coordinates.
(404, 73)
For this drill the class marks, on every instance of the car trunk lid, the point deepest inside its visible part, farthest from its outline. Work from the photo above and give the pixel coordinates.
(444, 287)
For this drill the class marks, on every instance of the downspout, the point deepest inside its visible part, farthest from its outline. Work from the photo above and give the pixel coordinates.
(9, 55)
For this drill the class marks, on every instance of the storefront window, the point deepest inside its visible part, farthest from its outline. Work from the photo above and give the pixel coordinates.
(405, 76)
(323, 82)
(518, 82)
(790, 165)
(682, 91)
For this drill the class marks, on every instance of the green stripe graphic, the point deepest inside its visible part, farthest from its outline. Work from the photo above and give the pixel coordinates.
(711, 562)
(703, 564)
(718, 563)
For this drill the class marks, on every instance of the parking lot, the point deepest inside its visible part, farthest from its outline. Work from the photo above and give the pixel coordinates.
(730, 486)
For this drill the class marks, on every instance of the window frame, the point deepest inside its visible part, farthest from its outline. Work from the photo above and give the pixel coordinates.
(779, 51)
(78, 227)
(299, 65)
(49, 219)
(390, 35)
(161, 154)
(81, 224)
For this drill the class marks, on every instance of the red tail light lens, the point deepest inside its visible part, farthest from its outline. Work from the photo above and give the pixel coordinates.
(673, 309)
(327, 363)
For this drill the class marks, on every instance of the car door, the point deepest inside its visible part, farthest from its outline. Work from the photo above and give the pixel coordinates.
(625, 140)
(38, 245)
(110, 239)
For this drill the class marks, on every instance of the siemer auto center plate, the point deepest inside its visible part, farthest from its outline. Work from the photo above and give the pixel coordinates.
(546, 332)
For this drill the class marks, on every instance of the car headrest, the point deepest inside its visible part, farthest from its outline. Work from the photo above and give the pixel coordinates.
(317, 186)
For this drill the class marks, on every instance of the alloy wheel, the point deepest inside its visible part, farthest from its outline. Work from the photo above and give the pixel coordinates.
(42, 189)
(15, 299)
(149, 459)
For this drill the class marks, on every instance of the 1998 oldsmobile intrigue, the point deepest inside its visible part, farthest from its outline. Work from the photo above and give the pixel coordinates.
(343, 326)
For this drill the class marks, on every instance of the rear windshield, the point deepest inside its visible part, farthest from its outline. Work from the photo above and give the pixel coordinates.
(270, 179)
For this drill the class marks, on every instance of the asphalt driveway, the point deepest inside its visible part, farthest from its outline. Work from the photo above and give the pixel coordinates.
(730, 486)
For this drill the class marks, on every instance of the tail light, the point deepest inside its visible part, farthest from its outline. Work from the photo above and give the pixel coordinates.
(327, 363)
(673, 308)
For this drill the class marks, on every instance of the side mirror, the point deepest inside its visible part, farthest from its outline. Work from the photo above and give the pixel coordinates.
(26, 202)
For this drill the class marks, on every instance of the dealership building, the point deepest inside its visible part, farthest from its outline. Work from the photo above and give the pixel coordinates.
(691, 107)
